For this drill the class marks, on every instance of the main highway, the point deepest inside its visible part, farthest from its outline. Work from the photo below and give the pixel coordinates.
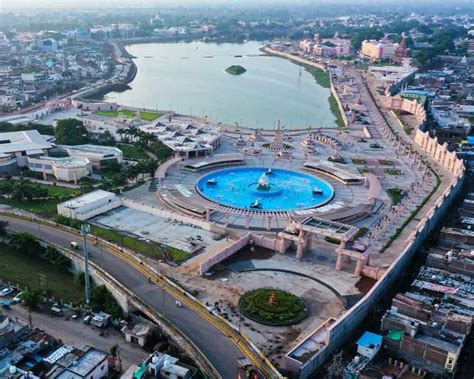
(217, 346)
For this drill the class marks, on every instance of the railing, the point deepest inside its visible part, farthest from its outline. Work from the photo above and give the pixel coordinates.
(258, 359)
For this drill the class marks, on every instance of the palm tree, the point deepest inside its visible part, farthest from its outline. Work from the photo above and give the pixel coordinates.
(123, 134)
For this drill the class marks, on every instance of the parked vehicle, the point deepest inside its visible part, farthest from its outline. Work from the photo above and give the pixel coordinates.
(74, 245)
(6, 304)
(6, 291)
(87, 320)
(17, 297)
(55, 311)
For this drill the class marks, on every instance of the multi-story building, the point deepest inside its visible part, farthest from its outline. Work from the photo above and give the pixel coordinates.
(84, 363)
(67, 169)
(378, 50)
(99, 156)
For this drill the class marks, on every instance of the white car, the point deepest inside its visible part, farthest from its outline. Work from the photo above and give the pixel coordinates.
(6, 291)
(17, 297)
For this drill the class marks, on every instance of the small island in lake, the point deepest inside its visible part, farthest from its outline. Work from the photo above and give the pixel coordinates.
(235, 70)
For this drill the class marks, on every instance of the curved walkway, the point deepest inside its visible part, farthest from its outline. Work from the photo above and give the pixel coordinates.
(248, 266)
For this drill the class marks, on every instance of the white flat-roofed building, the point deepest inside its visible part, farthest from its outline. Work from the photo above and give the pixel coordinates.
(24, 144)
(89, 205)
(67, 169)
(97, 155)
(85, 363)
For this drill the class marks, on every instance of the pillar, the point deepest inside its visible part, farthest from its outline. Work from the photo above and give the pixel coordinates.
(208, 214)
(300, 249)
(339, 261)
(227, 217)
(358, 268)
(248, 218)
(269, 222)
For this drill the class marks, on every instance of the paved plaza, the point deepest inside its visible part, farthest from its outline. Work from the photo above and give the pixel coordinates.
(185, 237)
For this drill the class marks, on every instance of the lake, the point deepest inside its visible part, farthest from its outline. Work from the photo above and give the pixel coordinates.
(190, 78)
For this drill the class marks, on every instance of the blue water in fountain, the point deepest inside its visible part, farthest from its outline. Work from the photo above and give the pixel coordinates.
(288, 190)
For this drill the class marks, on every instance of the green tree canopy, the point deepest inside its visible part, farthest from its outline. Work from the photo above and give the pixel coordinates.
(71, 132)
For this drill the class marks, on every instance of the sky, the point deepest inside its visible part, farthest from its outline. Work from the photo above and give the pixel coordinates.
(12, 4)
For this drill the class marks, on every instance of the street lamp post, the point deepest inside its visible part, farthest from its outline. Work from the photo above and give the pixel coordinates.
(85, 230)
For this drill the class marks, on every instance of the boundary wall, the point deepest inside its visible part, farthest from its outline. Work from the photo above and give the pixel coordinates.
(349, 323)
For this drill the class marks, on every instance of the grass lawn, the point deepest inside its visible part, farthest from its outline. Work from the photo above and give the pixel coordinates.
(386, 162)
(132, 152)
(19, 268)
(142, 247)
(42, 207)
(337, 160)
(363, 170)
(359, 161)
(321, 76)
(336, 111)
(396, 194)
(392, 171)
(129, 113)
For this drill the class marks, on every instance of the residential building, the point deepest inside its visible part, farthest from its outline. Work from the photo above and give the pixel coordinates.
(160, 365)
(84, 363)
(137, 333)
(89, 205)
(10, 330)
(369, 345)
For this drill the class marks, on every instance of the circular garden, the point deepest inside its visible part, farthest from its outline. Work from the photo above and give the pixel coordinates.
(273, 307)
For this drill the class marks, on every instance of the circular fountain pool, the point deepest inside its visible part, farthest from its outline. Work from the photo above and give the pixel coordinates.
(263, 189)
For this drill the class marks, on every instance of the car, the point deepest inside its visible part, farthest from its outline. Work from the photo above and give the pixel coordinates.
(17, 297)
(56, 311)
(6, 291)
(87, 320)
(74, 245)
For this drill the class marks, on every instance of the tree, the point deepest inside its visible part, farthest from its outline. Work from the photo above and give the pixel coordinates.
(102, 300)
(26, 243)
(24, 190)
(71, 132)
(53, 255)
(3, 229)
(31, 297)
(150, 166)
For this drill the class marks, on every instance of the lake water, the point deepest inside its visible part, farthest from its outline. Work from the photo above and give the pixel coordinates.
(190, 78)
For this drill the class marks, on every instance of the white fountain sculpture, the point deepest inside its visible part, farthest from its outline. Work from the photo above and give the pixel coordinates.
(263, 182)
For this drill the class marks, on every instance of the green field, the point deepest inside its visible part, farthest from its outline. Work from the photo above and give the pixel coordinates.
(24, 270)
(321, 76)
(286, 308)
(336, 111)
(129, 113)
(142, 247)
(43, 207)
(396, 194)
(132, 152)
(392, 171)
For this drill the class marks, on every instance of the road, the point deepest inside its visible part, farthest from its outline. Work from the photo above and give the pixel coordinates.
(221, 351)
